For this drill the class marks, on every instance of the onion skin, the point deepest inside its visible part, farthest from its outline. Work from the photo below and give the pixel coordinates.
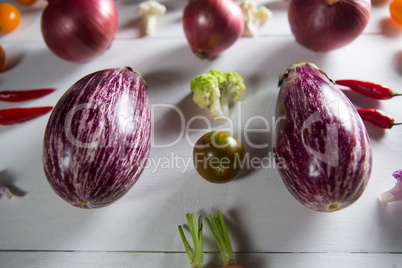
(2, 58)
(78, 30)
(320, 140)
(212, 26)
(97, 139)
(323, 26)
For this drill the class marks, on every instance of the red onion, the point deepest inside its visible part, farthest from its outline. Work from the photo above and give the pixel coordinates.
(325, 25)
(78, 30)
(212, 26)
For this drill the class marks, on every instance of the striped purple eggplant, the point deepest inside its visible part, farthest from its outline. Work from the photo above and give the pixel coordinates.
(320, 141)
(97, 139)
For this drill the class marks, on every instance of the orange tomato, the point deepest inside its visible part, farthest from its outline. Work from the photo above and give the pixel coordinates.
(396, 11)
(2, 58)
(26, 2)
(9, 17)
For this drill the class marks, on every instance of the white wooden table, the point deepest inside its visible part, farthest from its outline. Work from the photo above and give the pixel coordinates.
(268, 227)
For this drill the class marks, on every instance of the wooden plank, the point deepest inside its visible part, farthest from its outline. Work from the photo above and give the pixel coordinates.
(178, 260)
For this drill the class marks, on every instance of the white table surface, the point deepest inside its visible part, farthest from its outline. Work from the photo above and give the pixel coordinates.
(268, 227)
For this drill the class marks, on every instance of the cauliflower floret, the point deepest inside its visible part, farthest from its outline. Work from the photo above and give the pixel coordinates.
(254, 17)
(150, 11)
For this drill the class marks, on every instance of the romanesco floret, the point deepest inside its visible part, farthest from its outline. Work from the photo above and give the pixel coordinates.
(216, 91)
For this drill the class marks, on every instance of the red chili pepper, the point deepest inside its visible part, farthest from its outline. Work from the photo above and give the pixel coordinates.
(377, 117)
(23, 95)
(369, 89)
(19, 115)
